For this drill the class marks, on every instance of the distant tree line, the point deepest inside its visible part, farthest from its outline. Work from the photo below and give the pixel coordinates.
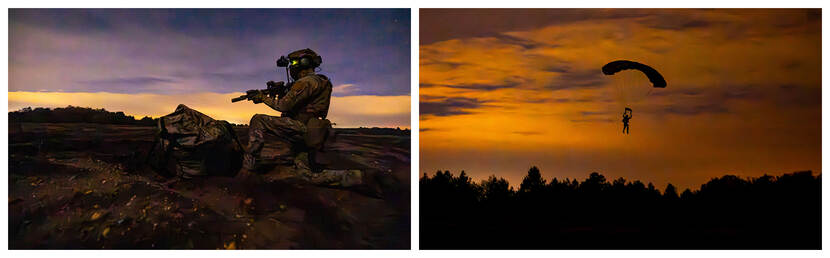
(72, 114)
(376, 131)
(729, 212)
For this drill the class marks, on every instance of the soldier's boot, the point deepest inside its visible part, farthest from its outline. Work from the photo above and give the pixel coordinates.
(326, 177)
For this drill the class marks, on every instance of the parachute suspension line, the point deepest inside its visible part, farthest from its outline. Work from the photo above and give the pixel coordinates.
(626, 81)
(629, 79)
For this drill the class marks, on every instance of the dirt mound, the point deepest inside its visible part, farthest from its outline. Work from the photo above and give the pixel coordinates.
(84, 186)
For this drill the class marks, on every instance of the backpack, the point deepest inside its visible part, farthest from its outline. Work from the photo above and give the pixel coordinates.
(189, 143)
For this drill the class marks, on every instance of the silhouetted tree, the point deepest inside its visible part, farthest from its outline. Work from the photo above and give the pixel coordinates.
(496, 190)
(686, 195)
(72, 114)
(670, 193)
(532, 182)
(594, 184)
(726, 212)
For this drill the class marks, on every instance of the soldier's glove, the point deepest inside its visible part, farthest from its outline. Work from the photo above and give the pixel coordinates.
(258, 97)
(281, 92)
(278, 87)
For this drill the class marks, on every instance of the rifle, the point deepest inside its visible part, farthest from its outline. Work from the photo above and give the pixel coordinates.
(273, 89)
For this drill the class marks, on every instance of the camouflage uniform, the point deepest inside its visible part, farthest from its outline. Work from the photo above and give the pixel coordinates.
(308, 98)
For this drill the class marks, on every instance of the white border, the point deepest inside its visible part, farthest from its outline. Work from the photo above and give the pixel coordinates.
(415, 160)
(4, 178)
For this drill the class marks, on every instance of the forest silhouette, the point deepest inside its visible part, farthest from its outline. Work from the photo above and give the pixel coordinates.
(767, 212)
(72, 114)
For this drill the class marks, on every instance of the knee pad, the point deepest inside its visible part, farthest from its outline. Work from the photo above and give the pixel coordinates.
(257, 119)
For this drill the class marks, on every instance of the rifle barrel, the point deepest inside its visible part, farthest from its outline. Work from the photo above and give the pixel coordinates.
(240, 98)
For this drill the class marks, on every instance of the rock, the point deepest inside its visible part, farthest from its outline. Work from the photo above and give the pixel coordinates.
(124, 221)
(342, 178)
(98, 215)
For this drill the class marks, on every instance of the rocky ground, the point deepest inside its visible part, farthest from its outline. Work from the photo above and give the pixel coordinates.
(85, 186)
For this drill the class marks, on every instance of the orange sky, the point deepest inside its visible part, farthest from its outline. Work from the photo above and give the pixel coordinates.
(524, 87)
(347, 111)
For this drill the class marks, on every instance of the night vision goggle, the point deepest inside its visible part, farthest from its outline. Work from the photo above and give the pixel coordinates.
(283, 62)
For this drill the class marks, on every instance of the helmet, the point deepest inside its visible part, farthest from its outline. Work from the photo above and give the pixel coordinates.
(303, 59)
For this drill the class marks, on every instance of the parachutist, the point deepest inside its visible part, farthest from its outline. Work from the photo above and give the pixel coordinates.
(627, 113)
(629, 92)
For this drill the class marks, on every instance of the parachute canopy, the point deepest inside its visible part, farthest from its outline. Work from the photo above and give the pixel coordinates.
(616, 66)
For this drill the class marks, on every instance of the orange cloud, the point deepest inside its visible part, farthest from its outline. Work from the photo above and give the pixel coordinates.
(743, 97)
(350, 111)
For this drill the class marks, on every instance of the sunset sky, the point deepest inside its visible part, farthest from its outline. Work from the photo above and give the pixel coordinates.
(502, 90)
(146, 61)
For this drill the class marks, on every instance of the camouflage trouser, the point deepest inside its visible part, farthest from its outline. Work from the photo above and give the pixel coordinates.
(290, 133)
(287, 131)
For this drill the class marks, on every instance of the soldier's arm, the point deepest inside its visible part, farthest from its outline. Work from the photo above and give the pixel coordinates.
(296, 94)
